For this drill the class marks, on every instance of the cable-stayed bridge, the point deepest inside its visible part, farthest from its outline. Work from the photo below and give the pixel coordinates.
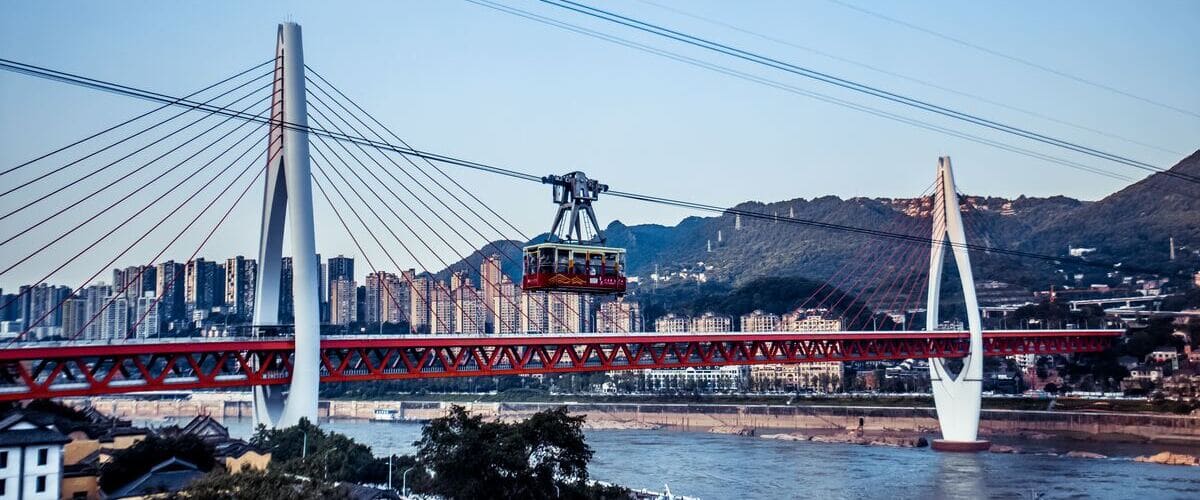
(398, 201)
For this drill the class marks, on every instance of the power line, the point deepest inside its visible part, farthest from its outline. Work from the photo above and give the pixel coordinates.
(902, 76)
(725, 70)
(855, 86)
(136, 118)
(1013, 58)
(534, 178)
(126, 90)
(134, 135)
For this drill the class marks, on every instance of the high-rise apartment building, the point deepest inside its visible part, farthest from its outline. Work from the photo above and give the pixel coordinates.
(169, 285)
(568, 312)
(759, 321)
(287, 301)
(490, 279)
(819, 376)
(397, 300)
(386, 299)
(711, 322)
(116, 317)
(241, 277)
(74, 318)
(148, 316)
(619, 316)
(133, 281)
(811, 320)
(95, 296)
(419, 297)
(506, 307)
(534, 317)
(672, 324)
(718, 378)
(39, 307)
(441, 309)
(360, 301)
(204, 285)
(339, 268)
(469, 312)
(343, 301)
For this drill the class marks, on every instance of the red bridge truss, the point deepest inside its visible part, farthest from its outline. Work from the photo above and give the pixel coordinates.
(80, 369)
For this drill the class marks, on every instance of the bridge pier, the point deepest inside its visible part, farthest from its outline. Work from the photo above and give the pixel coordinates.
(957, 397)
(288, 197)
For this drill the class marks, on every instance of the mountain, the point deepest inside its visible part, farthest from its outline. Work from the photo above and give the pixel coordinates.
(1133, 224)
(1131, 227)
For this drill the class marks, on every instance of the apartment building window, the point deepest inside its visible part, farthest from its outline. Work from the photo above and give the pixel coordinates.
(41, 484)
(3, 487)
(43, 456)
(3, 459)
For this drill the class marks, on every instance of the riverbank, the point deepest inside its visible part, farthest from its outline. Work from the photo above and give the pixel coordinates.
(995, 424)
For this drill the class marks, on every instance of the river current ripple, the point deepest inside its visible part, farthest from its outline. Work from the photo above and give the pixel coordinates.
(716, 466)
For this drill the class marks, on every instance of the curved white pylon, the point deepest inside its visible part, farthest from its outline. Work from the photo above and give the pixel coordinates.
(956, 397)
(288, 196)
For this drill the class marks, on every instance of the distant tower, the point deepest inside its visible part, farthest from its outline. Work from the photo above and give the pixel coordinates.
(709, 246)
(776, 219)
(720, 237)
(737, 222)
(1172, 248)
(791, 212)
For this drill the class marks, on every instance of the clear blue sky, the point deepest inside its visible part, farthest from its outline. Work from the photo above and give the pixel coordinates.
(457, 78)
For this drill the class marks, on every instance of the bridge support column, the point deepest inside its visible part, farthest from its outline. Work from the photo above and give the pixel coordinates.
(288, 197)
(957, 397)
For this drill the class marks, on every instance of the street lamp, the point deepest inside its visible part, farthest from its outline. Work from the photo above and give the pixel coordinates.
(404, 481)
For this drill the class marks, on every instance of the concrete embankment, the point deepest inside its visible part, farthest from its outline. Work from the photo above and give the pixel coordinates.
(702, 417)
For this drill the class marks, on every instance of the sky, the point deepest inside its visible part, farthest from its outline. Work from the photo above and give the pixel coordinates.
(460, 79)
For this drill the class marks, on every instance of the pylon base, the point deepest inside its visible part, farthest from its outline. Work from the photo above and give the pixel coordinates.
(960, 446)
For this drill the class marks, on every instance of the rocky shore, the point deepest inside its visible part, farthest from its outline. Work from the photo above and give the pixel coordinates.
(1168, 458)
(853, 437)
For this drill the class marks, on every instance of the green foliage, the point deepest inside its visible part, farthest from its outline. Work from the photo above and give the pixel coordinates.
(329, 456)
(543, 457)
(130, 463)
(250, 484)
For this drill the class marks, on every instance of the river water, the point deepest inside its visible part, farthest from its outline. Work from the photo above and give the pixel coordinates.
(716, 466)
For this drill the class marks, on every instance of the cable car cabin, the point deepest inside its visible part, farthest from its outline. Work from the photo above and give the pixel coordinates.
(562, 267)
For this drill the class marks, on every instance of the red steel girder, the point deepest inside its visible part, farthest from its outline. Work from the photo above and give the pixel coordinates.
(39, 370)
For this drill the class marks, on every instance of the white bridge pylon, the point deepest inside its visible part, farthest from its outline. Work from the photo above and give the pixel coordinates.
(288, 197)
(957, 397)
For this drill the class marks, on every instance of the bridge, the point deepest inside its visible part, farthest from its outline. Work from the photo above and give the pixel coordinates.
(286, 371)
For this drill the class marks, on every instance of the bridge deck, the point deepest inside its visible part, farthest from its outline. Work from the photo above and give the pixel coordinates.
(76, 369)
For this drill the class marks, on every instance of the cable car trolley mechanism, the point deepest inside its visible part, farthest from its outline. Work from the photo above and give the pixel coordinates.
(568, 260)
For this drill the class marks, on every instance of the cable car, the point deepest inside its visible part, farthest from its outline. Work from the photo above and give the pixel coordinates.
(569, 261)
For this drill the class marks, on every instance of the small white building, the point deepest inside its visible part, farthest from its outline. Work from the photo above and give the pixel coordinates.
(31, 465)
(706, 378)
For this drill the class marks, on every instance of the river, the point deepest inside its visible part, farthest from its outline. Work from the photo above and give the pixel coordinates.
(716, 466)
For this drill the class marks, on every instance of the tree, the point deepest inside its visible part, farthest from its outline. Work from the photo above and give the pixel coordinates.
(130, 463)
(545, 456)
(250, 484)
(329, 456)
